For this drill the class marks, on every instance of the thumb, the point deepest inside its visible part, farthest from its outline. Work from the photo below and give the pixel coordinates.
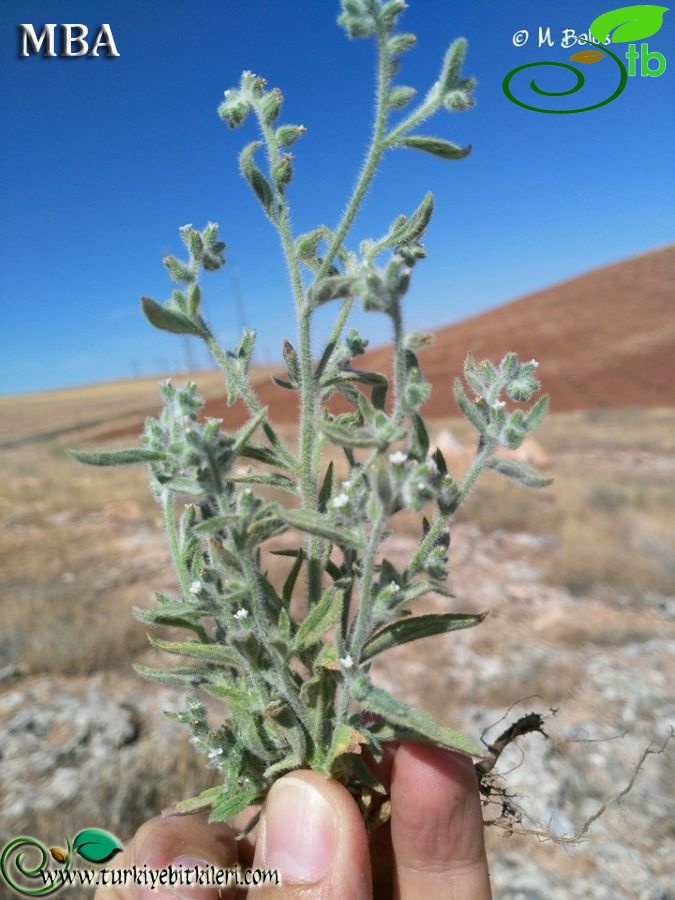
(311, 831)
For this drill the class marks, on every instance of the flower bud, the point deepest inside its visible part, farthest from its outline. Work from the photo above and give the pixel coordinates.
(288, 134)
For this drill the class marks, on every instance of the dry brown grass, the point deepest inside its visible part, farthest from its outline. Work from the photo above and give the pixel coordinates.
(81, 546)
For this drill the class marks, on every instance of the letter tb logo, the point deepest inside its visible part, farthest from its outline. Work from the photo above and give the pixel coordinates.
(73, 41)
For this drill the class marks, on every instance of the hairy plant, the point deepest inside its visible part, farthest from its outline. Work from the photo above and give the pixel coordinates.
(298, 693)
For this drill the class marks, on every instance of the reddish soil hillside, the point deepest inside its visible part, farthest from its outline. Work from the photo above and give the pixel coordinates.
(605, 339)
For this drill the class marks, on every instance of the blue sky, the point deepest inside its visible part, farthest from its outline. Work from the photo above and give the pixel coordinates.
(103, 159)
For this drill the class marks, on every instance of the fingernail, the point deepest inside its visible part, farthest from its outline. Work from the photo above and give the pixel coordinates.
(299, 831)
(184, 881)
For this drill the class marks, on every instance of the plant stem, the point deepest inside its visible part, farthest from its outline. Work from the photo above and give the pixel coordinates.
(400, 371)
(170, 524)
(247, 394)
(368, 169)
(308, 474)
(442, 521)
(362, 623)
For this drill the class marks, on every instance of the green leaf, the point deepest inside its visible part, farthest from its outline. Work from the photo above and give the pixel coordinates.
(115, 457)
(233, 803)
(166, 320)
(96, 845)
(452, 65)
(216, 654)
(418, 221)
(326, 488)
(271, 479)
(262, 454)
(517, 471)
(410, 724)
(629, 23)
(435, 146)
(246, 431)
(292, 363)
(319, 619)
(315, 523)
(416, 627)
(200, 803)
(470, 410)
(419, 439)
(284, 384)
(348, 436)
(536, 415)
(332, 287)
(292, 577)
(178, 675)
(259, 184)
(170, 619)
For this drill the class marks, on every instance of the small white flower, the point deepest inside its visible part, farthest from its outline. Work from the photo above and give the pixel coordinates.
(195, 587)
(535, 363)
(241, 614)
(398, 458)
(215, 752)
(347, 662)
(498, 404)
(340, 501)
(346, 485)
(394, 588)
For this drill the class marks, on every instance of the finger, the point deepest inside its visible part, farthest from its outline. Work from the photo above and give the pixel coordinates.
(178, 844)
(311, 831)
(437, 826)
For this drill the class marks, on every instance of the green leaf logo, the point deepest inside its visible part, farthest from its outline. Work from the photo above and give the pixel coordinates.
(96, 845)
(629, 23)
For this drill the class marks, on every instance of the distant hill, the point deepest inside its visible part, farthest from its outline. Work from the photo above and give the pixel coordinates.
(605, 339)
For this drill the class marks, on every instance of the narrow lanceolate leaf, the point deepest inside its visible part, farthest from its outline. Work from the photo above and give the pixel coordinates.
(217, 654)
(292, 577)
(326, 488)
(517, 471)
(349, 436)
(536, 415)
(178, 675)
(410, 724)
(166, 320)
(206, 800)
(232, 804)
(319, 619)
(162, 617)
(271, 479)
(246, 431)
(435, 146)
(416, 627)
(322, 526)
(419, 439)
(115, 457)
(418, 221)
(333, 287)
(470, 410)
(259, 184)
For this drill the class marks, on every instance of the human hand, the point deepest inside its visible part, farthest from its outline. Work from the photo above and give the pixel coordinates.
(311, 831)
